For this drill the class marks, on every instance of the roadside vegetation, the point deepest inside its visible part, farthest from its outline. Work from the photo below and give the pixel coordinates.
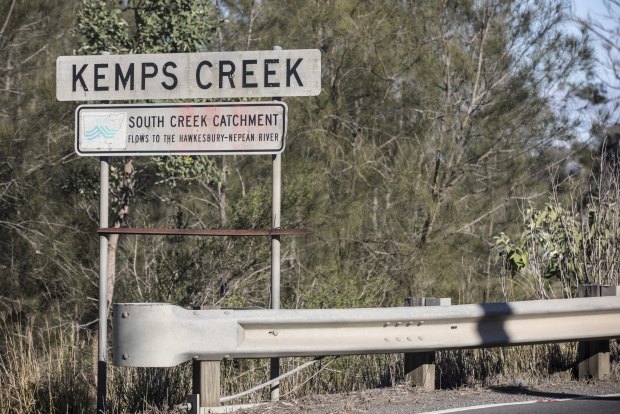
(458, 149)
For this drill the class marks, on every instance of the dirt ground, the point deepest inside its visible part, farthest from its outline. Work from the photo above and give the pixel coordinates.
(406, 398)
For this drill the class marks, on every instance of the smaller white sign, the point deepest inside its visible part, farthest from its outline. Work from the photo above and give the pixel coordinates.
(181, 129)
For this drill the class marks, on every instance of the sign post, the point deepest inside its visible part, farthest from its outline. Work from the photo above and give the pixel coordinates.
(276, 202)
(184, 129)
(102, 360)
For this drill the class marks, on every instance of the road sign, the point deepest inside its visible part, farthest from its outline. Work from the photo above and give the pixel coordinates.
(181, 129)
(248, 74)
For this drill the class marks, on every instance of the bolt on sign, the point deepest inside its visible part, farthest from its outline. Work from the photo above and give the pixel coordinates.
(181, 129)
(246, 74)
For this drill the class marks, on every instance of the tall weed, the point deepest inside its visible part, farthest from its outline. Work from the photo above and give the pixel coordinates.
(44, 367)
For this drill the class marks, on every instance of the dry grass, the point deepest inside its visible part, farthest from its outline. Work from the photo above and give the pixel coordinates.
(47, 368)
(43, 367)
(484, 367)
(46, 372)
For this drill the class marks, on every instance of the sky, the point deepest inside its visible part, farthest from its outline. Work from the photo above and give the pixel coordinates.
(595, 9)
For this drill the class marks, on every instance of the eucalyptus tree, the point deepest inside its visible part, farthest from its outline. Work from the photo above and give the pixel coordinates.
(36, 266)
(203, 192)
(570, 241)
(432, 127)
(601, 87)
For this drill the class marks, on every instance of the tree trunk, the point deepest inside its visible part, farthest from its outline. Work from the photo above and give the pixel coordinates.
(126, 192)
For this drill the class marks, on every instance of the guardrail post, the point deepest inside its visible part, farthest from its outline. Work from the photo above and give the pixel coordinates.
(593, 356)
(206, 382)
(420, 366)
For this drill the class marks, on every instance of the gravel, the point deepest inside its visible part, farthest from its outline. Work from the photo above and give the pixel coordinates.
(406, 398)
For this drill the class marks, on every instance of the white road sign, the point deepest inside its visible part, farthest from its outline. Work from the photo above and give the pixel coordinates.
(181, 129)
(249, 74)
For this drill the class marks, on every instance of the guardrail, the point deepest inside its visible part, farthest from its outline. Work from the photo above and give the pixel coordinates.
(161, 335)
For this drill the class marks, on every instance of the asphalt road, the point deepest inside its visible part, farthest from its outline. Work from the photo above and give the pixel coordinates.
(561, 396)
(589, 405)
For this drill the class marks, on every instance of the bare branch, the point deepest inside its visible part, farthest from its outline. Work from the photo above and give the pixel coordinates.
(8, 17)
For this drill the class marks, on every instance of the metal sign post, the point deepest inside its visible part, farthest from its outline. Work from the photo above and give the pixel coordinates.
(102, 343)
(275, 261)
(276, 202)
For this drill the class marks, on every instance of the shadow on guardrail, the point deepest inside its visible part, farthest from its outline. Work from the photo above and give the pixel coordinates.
(492, 327)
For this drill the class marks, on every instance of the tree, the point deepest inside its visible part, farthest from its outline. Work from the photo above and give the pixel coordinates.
(434, 123)
(434, 128)
(603, 83)
(35, 222)
(151, 26)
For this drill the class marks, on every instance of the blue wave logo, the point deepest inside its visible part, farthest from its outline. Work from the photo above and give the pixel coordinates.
(103, 130)
(100, 130)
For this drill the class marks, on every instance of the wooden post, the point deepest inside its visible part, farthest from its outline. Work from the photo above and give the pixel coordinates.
(206, 382)
(420, 369)
(420, 366)
(593, 356)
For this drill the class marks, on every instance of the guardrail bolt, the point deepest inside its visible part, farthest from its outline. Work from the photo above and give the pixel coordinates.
(125, 315)
(125, 357)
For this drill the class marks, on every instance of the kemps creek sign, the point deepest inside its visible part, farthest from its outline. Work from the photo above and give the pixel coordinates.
(215, 75)
(221, 128)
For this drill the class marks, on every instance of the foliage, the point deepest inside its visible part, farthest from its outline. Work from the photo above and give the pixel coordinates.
(427, 129)
(102, 29)
(147, 26)
(573, 247)
(599, 88)
(487, 367)
(170, 170)
(555, 235)
(173, 26)
(150, 26)
(38, 224)
(434, 126)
